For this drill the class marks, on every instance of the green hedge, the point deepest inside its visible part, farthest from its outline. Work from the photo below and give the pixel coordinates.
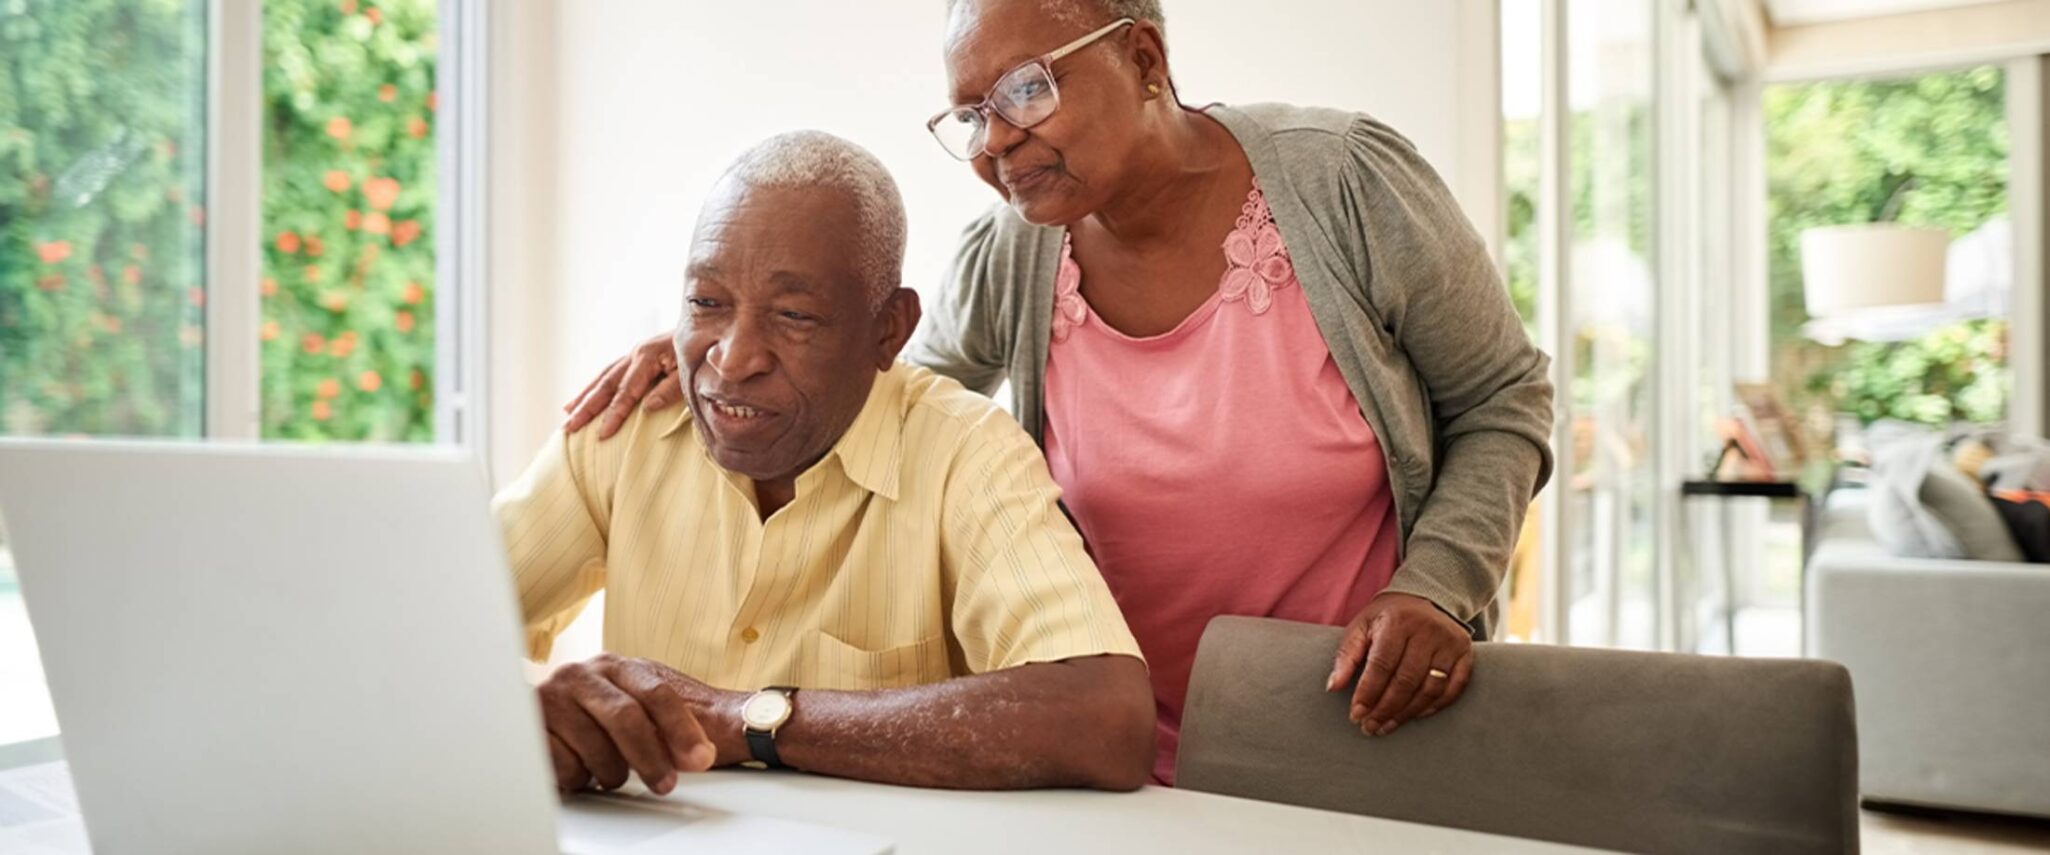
(102, 154)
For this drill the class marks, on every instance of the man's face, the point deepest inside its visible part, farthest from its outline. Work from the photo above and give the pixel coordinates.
(779, 341)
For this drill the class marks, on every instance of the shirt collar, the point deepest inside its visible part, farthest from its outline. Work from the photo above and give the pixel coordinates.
(871, 451)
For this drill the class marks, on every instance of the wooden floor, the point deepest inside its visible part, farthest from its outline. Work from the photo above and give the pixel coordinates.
(1897, 832)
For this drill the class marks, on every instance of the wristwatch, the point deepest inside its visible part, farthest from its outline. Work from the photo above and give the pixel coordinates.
(761, 715)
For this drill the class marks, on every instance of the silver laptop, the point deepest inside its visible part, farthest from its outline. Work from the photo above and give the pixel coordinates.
(270, 649)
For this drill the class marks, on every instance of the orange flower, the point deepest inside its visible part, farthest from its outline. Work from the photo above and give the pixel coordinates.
(270, 287)
(197, 296)
(405, 232)
(387, 92)
(288, 242)
(131, 275)
(51, 283)
(416, 127)
(54, 251)
(197, 215)
(433, 102)
(336, 180)
(168, 148)
(369, 381)
(404, 321)
(352, 220)
(313, 344)
(322, 412)
(138, 252)
(377, 223)
(381, 192)
(328, 388)
(375, 16)
(96, 274)
(342, 346)
(413, 294)
(314, 247)
(417, 380)
(312, 273)
(191, 336)
(335, 302)
(270, 331)
(111, 324)
(339, 128)
(348, 7)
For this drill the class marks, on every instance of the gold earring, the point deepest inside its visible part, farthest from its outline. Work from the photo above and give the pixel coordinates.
(1153, 89)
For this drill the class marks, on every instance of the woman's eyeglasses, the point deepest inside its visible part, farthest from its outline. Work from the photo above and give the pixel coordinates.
(1024, 96)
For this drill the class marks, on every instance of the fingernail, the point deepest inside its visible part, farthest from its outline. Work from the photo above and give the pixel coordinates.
(703, 755)
(1387, 729)
(1357, 713)
(1428, 713)
(668, 782)
(1373, 728)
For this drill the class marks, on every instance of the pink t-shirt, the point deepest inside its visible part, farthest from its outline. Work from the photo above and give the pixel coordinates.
(1220, 468)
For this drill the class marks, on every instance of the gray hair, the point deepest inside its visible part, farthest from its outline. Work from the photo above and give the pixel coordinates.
(819, 160)
(1086, 12)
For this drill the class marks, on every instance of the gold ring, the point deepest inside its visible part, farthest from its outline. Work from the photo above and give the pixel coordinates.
(1438, 675)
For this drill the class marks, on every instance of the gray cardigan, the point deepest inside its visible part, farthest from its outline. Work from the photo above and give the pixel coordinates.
(1408, 301)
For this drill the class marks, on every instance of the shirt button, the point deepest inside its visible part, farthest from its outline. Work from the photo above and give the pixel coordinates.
(750, 635)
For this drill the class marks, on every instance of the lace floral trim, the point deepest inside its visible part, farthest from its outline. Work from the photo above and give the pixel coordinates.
(1256, 265)
(1069, 309)
(1257, 258)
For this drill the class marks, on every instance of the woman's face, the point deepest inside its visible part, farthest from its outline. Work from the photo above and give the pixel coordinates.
(1068, 166)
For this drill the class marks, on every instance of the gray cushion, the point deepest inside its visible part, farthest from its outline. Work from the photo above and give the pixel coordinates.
(1923, 507)
(1641, 752)
(1962, 505)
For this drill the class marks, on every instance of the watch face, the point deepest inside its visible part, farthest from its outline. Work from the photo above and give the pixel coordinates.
(765, 711)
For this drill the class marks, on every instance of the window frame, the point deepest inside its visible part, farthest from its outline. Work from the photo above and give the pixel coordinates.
(234, 230)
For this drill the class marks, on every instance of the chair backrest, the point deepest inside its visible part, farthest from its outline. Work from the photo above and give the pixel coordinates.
(1644, 752)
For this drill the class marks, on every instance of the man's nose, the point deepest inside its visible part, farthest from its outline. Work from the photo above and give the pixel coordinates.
(741, 352)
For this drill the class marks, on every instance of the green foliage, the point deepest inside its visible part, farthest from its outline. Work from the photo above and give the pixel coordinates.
(102, 124)
(349, 191)
(1928, 151)
(102, 165)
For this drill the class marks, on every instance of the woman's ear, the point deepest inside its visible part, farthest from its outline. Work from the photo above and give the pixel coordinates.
(1149, 56)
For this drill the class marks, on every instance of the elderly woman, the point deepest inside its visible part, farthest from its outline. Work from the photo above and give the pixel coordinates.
(1270, 363)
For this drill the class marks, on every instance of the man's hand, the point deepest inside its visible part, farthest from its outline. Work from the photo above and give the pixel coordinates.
(611, 715)
(647, 377)
(1418, 661)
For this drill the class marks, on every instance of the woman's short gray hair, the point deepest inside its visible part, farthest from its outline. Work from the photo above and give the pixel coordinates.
(1087, 12)
(819, 160)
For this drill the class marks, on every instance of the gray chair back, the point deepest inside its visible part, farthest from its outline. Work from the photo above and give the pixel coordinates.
(1641, 752)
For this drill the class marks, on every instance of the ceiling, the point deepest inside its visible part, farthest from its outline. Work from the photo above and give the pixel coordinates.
(1786, 13)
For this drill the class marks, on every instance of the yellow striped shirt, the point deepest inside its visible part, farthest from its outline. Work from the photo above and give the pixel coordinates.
(926, 545)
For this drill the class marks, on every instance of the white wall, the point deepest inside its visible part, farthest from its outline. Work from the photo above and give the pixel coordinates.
(645, 101)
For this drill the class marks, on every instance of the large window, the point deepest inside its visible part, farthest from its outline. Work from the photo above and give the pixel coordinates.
(102, 275)
(106, 279)
(348, 214)
(1927, 151)
(1617, 165)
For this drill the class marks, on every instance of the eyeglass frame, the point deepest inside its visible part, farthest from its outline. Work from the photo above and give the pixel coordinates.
(1045, 62)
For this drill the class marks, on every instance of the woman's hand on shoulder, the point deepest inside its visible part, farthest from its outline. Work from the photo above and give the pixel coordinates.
(647, 376)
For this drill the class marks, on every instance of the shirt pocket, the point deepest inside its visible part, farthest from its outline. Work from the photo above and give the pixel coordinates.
(841, 666)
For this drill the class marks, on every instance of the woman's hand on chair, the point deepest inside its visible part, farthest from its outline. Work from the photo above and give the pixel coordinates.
(1411, 660)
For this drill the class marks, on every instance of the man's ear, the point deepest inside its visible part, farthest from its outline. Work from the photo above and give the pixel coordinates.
(900, 315)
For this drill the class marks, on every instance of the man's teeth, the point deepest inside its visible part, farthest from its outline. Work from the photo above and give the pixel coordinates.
(737, 412)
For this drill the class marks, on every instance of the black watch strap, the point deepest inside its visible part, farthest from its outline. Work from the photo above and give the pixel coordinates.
(761, 744)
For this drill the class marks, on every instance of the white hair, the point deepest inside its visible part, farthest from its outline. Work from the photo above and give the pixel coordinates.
(1097, 12)
(816, 159)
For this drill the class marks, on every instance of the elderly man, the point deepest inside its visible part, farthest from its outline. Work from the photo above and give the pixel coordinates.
(829, 560)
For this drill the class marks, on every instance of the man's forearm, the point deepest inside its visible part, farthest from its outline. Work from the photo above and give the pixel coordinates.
(1078, 723)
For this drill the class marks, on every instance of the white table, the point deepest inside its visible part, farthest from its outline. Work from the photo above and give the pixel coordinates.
(1153, 819)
